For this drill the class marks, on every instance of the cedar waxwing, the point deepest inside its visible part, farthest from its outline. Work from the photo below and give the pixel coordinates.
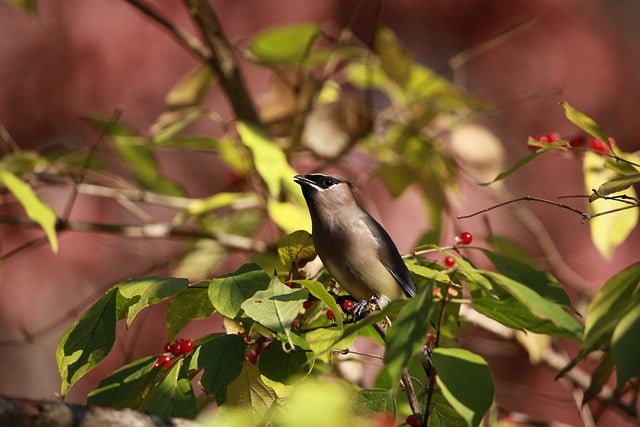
(353, 246)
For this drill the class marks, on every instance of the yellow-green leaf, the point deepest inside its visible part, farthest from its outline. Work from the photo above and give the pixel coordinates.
(191, 88)
(584, 122)
(36, 209)
(296, 248)
(608, 231)
(289, 217)
(283, 45)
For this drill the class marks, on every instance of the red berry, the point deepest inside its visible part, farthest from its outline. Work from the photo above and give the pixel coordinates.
(307, 304)
(176, 348)
(235, 177)
(465, 238)
(449, 261)
(161, 360)
(186, 346)
(553, 136)
(330, 315)
(600, 146)
(431, 337)
(578, 141)
(251, 357)
(167, 364)
(413, 421)
(347, 304)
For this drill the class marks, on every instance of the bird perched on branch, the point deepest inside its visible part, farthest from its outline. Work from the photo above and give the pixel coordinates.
(353, 246)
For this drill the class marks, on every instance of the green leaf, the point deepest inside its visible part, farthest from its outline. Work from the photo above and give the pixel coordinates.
(406, 336)
(283, 45)
(228, 292)
(192, 303)
(519, 164)
(191, 89)
(275, 307)
(269, 160)
(296, 249)
(443, 414)
(21, 163)
(625, 347)
(319, 291)
(222, 360)
(457, 369)
(36, 209)
(538, 304)
(377, 316)
(599, 378)
(322, 341)
(514, 314)
(128, 386)
(138, 154)
(609, 230)
(200, 258)
(540, 281)
(615, 299)
(375, 400)
(87, 341)
(395, 60)
(584, 122)
(173, 397)
(284, 365)
(250, 392)
(146, 291)
(219, 201)
(617, 184)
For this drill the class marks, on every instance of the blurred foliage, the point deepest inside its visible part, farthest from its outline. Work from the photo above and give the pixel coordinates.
(277, 363)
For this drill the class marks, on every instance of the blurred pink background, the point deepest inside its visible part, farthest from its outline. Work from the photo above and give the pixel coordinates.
(85, 57)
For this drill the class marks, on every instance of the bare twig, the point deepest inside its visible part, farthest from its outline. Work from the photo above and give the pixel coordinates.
(222, 61)
(190, 43)
(585, 216)
(148, 231)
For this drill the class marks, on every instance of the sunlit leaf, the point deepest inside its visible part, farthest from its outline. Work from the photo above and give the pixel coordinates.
(608, 231)
(319, 291)
(146, 291)
(87, 341)
(289, 217)
(270, 161)
(625, 346)
(36, 209)
(191, 88)
(296, 248)
(250, 392)
(275, 307)
(519, 164)
(375, 400)
(283, 45)
(584, 122)
(228, 292)
(617, 184)
(456, 370)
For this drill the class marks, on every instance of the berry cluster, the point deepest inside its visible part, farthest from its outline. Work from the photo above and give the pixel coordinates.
(577, 141)
(173, 350)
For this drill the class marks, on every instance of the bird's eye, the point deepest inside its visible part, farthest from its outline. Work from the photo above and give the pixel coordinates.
(329, 181)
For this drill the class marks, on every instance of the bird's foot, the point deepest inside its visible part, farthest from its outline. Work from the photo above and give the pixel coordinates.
(362, 308)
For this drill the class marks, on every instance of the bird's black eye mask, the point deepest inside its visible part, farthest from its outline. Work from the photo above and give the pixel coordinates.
(321, 181)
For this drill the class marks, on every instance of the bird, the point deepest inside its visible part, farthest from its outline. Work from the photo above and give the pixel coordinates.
(354, 248)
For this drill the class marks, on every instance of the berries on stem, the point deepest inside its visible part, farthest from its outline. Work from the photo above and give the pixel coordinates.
(465, 238)
(449, 261)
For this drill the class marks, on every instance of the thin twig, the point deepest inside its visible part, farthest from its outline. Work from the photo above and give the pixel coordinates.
(148, 231)
(190, 43)
(585, 216)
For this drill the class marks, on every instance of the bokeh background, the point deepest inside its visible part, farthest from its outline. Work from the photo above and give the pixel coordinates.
(92, 57)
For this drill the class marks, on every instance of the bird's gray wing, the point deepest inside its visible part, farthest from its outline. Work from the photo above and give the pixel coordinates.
(390, 257)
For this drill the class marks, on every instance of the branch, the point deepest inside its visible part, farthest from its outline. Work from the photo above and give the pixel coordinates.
(28, 412)
(149, 231)
(191, 44)
(222, 61)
